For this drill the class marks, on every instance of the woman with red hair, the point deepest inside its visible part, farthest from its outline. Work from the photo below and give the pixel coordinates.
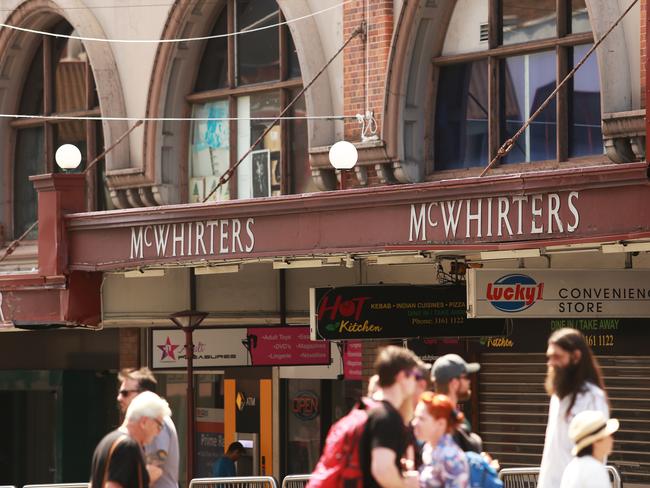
(444, 463)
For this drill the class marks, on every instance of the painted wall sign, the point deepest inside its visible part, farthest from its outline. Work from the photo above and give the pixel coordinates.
(386, 312)
(520, 211)
(558, 293)
(505, 216)
(202, 238)
(222, 347)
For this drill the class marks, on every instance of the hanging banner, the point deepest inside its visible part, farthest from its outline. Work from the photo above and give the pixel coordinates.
(253, 346)
(393, 312)
(549, 293)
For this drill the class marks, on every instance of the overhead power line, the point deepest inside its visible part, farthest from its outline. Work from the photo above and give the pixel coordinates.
(169, 41)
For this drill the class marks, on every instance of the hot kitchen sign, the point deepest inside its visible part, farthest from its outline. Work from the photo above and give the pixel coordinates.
(558, 293)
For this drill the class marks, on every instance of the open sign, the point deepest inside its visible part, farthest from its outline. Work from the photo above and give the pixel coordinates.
(305, 405)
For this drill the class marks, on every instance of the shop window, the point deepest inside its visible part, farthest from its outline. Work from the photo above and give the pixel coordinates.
(492, 77)
(59, 82)
(248, 81)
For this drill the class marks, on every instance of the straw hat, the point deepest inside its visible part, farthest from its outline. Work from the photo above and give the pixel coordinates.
(588, 427)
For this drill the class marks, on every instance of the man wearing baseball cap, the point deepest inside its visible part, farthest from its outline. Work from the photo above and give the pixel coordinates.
(591, 432)
(450, 374)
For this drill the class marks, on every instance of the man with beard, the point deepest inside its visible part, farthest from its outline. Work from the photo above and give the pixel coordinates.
(575, 384)
(450, 374)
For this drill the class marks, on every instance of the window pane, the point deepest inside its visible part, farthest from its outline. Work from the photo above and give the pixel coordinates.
(529, 80)
(213, 72)
(294, 65)
(258, 53)
(468, 28)
(579, 17)
(461, 125)
(31, 102)
(254, 174)
(209, 151)
(585, 130)
(301, 180)
(28, 162)
(70, 77)
(528, 20)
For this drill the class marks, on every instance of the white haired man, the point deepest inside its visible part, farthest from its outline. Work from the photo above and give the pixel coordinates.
(118, 461)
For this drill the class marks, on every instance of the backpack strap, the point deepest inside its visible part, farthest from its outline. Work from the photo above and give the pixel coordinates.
(108, 461)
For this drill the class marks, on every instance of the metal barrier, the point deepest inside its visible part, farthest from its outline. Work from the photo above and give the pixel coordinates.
(59, 485)
(235, 482)
(294, 481)
(519, 477)
(7, 486)
(527, 477)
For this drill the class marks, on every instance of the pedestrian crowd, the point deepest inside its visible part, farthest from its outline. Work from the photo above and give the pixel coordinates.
(408, 432)
(415, 435)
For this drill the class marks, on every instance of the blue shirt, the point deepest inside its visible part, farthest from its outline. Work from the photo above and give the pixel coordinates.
(224, 467)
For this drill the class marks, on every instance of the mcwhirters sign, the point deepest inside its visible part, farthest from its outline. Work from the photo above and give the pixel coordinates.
(557, 293)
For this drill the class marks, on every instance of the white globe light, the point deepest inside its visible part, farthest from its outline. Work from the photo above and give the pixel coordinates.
(68, 156)
(343, 155)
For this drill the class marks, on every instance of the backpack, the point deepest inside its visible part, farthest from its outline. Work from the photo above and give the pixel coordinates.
(339, 464)
(481, 474)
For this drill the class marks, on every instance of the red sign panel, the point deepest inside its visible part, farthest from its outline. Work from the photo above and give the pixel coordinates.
(352, 360)
(278, 346)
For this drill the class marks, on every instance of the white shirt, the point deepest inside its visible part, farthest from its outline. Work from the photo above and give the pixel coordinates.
(163, 452)
(557, 445)
(585, 472)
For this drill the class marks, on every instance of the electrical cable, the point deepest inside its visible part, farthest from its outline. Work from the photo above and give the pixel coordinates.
(172, 119)
(168, 41)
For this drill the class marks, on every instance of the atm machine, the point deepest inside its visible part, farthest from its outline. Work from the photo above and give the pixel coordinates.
(249, 462)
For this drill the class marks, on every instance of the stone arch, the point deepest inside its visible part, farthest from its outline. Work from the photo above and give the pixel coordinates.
(170, 83)
(17, 49)
(420, 35)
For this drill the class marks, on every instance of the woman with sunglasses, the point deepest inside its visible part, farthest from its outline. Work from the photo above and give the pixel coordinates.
(444, 463)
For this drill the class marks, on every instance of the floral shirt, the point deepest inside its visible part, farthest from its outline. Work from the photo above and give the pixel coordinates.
(444, 466)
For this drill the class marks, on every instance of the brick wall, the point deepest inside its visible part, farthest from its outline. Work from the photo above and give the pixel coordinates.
(355, 81)
(129, 348)
(359, 82)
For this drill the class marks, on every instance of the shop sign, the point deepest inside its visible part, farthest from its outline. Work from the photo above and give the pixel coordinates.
(558, 294)
(391, 312)
(603, 335)
(253, 346)
(352, 360)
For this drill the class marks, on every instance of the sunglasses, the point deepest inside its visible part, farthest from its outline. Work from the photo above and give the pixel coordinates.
(418, 376)
(126, 393)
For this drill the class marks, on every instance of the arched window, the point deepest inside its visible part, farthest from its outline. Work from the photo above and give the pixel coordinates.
(248, 77)
(500, 60)
(59, 82)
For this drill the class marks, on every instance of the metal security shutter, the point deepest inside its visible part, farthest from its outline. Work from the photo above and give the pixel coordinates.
(513, 408)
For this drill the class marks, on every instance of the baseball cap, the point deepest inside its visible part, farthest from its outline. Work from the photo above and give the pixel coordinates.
(451, 366)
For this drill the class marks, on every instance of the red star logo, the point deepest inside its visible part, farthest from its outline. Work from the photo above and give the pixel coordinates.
(168, 350)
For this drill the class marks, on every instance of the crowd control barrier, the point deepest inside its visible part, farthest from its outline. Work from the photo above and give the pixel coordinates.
(295, 481)
(235, 482)
(59, 485)
(527, 477)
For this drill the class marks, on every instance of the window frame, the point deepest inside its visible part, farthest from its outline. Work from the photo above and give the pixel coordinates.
(496, 54)
(92, 128)
(284, 85)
